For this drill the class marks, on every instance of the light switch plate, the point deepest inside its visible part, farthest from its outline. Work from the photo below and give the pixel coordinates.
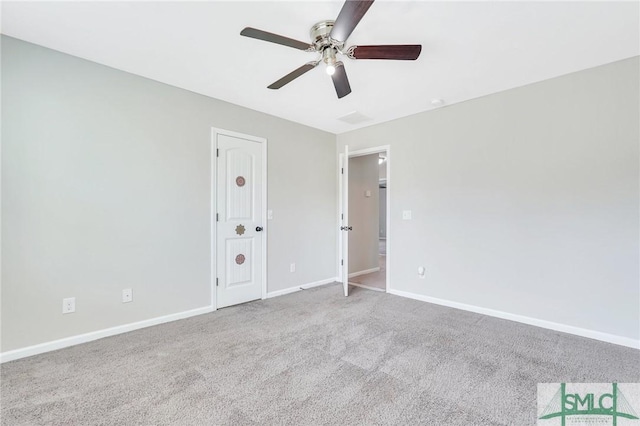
(269, 214)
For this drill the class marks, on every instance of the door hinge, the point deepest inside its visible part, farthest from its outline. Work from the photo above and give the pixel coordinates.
(217, 218)
(342, 170)
(216, 282)
(341, 261)
(217, 152)
(342, 216)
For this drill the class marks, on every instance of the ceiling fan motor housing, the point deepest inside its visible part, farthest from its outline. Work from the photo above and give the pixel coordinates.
(320, 36)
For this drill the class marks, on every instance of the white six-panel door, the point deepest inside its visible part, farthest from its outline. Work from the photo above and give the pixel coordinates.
(239, 223)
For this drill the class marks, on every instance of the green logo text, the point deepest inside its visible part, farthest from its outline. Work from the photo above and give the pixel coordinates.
(613, 404)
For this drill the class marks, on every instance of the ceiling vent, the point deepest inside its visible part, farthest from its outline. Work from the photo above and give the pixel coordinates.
(354, 118)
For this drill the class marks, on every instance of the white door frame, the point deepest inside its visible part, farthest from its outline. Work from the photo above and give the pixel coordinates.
(214, 196)
(359, 153)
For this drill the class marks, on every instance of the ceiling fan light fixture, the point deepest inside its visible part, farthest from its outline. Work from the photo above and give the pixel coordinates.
(329, 58)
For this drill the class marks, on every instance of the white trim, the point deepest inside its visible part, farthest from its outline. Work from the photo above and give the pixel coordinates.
(366, 271)
(358, 153)
(301, 287)
(388, 231)
(214, 199)
(367, 151)
(583, 332)
(265, 228)
(340, 219)
(214, 187)
(95, 335)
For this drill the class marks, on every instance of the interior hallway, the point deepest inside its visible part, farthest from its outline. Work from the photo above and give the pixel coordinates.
(375, 280)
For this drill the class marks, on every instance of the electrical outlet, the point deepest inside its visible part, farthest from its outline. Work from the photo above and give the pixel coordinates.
(292, 267)
(406, 214)
(69, 305)
(127, 295)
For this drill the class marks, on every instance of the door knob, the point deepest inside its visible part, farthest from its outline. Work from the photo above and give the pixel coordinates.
(258, 228)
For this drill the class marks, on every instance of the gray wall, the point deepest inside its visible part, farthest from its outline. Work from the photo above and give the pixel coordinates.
(106, 185)
(363, 213)
(525, 201)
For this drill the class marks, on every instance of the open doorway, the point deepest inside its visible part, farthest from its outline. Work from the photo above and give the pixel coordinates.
(368, 212)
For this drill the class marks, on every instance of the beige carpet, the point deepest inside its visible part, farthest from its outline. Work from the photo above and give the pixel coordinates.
(310, 358)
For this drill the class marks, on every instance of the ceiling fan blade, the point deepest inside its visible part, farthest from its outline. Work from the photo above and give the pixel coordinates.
(351, 13)
(293, 75)
(403, 52)
(340, 81)
(275, 38)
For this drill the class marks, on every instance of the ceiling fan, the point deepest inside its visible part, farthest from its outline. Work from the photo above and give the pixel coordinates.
(328, 39)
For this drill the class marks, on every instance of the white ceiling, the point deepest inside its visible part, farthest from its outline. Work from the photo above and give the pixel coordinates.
(470, 49)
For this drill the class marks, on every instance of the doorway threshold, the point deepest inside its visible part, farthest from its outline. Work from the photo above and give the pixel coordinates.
(367, 287)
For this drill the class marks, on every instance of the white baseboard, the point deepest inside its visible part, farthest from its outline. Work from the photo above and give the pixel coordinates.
(300, 287)
(583, 332)
(366, 271)
(95, 335)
